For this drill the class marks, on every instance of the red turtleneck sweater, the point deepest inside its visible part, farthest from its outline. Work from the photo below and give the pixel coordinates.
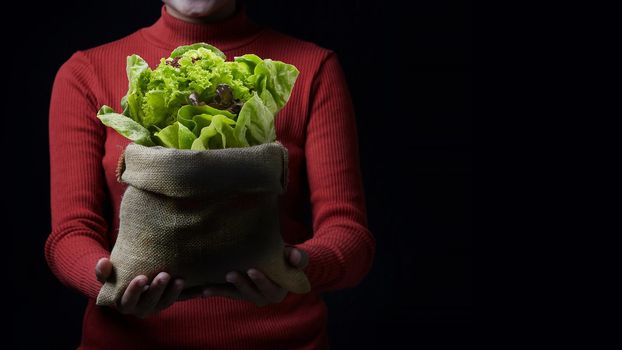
(318, 128)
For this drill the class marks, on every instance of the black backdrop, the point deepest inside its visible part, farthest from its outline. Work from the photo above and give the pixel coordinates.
(409, 71)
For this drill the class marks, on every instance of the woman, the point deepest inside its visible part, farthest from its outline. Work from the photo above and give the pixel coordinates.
(317, 127)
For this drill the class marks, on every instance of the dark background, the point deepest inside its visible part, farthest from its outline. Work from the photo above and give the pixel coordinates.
(409, 71)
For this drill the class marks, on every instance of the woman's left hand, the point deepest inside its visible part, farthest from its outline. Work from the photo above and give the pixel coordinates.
(254, 286)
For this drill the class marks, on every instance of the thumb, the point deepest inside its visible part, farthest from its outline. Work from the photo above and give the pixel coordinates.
(297, 257)
(103, 269)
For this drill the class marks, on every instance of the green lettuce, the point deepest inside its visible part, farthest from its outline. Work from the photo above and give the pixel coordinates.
(195, 99)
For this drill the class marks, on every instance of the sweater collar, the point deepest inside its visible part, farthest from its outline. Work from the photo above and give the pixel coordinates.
(169, 32)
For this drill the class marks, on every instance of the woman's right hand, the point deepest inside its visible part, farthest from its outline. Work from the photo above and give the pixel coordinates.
(140, 298)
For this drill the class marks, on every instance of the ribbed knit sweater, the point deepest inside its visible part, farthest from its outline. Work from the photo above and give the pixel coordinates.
(318, 128)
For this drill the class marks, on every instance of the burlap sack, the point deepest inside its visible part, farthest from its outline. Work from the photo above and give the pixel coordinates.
(200, 214)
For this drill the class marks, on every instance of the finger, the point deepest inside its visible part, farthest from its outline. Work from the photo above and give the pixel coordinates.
(270, 291)
(172, 292)
(103, 269)
(148, 301)
(228, 291)
(132, 293)
(245, 286)
(298, 258)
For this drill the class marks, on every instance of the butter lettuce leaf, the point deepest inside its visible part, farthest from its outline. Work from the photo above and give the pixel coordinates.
(125, 126)
(218, 134)
(255, 123)
(176, 135)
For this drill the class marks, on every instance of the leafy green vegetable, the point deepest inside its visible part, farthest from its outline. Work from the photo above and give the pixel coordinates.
(175, 136)
(218, 134)
(277, 78)
(256, 122)
(195, 99)
(183, 49)
(125, 126)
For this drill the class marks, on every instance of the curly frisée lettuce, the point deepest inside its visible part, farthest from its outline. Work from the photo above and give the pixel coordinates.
(195, 99)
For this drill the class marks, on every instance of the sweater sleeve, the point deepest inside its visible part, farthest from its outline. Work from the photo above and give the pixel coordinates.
(78, 190)
(341, 250)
